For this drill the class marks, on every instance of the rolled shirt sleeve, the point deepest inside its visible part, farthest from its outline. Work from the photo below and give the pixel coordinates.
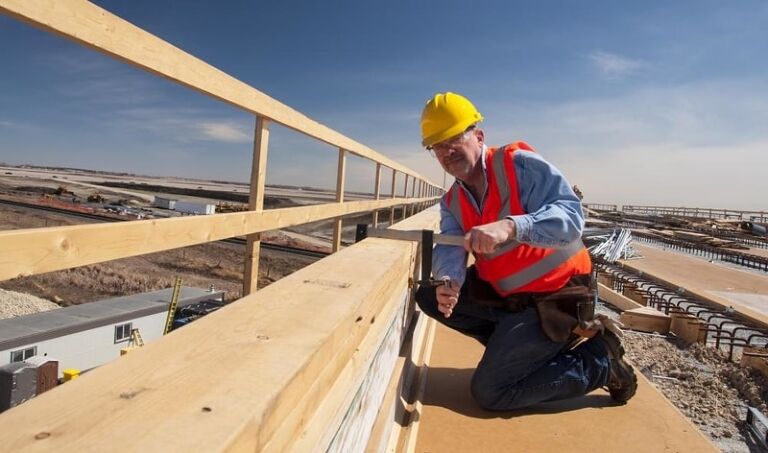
(449, 260)
(554, 216)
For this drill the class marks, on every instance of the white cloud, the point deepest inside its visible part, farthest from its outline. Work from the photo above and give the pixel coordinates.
(225, 132)
(613, 66)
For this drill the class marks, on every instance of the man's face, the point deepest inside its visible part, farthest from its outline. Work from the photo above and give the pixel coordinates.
(459, 155)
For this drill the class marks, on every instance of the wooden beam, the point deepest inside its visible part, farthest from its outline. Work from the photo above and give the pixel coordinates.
(256, 203)
(630, 290)
(756, 358)
(688, 328)
(340, 179)
(617, 300)
(94, 27)
(377, 194)
(292, 341)
(646, 319)
(405, 195)
(392, 209)
(38, 250)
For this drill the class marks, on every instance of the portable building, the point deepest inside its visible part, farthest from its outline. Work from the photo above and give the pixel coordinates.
(88, 335)
(165, 203)
(192, 207)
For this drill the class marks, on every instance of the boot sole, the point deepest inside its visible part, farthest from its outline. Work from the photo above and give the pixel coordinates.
(626, 371)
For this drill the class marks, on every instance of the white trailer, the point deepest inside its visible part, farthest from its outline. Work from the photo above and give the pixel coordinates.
(88, 335)
(165, 203)
(191, 207)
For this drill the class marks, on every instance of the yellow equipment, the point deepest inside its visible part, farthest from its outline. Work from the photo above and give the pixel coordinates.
(70, 374)
(446, 115)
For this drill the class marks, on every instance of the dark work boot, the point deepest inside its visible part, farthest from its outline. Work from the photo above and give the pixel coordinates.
(622, 382)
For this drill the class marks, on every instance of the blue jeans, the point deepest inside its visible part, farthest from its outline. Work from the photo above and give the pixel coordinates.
(521, 366)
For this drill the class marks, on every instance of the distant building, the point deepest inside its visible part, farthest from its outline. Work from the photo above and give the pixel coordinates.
(88, 335)
(165, 203)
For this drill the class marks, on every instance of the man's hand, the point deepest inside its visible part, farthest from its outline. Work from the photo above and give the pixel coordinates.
(447, 297)
(485, 238)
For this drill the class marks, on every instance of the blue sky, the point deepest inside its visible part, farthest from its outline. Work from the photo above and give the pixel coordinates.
(650, 102)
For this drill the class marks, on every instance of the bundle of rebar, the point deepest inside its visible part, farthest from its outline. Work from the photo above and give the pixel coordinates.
(615, 246)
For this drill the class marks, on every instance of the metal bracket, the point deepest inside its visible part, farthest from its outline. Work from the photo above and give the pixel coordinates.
(758, 424)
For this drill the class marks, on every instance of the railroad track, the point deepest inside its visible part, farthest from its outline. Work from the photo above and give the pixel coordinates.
(238, 241)
(725, 329)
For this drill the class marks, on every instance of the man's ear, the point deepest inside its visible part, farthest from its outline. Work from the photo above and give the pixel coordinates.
(480, 135)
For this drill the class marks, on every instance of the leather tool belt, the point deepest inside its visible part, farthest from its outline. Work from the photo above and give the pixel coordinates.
(559, 312)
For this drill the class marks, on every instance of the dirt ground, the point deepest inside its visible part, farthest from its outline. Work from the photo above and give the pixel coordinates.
(708, 388)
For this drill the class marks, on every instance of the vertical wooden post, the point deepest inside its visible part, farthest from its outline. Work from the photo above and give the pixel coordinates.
(256, 203)
(405, 195)
(421, 195)
(392, 209)
(377, 194)
(339, 198)
(412, 206)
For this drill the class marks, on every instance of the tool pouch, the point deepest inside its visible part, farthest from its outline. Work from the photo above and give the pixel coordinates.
(559, 312)
(571, 306)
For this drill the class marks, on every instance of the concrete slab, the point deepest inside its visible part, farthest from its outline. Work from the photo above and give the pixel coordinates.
(723, 286)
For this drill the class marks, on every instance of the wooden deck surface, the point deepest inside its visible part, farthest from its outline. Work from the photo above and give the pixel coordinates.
(745, 291)
(451, 421)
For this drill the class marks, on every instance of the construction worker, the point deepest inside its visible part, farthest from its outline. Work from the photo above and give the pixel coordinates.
(529, 297)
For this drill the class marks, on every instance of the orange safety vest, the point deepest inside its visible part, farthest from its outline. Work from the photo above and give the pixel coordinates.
(514, 267)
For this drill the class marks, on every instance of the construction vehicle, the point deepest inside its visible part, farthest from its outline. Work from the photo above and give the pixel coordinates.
(96, 197)
(61, 190)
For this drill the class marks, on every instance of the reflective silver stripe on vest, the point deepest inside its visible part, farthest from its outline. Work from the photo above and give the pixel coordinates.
(503, 248)
(455, 206)
(540, 268)
(502, 183)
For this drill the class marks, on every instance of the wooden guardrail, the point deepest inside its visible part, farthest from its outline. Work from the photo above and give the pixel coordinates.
(28, 252)
(312, 362)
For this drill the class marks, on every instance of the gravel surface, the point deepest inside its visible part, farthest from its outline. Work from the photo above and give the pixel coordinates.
(14, 304)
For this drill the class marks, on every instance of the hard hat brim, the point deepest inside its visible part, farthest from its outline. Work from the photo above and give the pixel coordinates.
(450, 132)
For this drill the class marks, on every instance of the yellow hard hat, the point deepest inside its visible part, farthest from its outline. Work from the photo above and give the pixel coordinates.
(446, 115)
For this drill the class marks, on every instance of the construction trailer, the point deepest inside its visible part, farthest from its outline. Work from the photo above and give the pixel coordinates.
(195, 208)
(88, 335)
(164, 203)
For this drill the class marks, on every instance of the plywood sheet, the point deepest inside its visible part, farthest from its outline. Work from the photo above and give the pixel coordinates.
(452, 422)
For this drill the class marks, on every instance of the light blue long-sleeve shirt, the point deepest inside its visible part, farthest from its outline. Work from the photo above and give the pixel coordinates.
(554, 216)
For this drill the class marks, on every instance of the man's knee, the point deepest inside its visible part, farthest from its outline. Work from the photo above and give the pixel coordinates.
(489, 395)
